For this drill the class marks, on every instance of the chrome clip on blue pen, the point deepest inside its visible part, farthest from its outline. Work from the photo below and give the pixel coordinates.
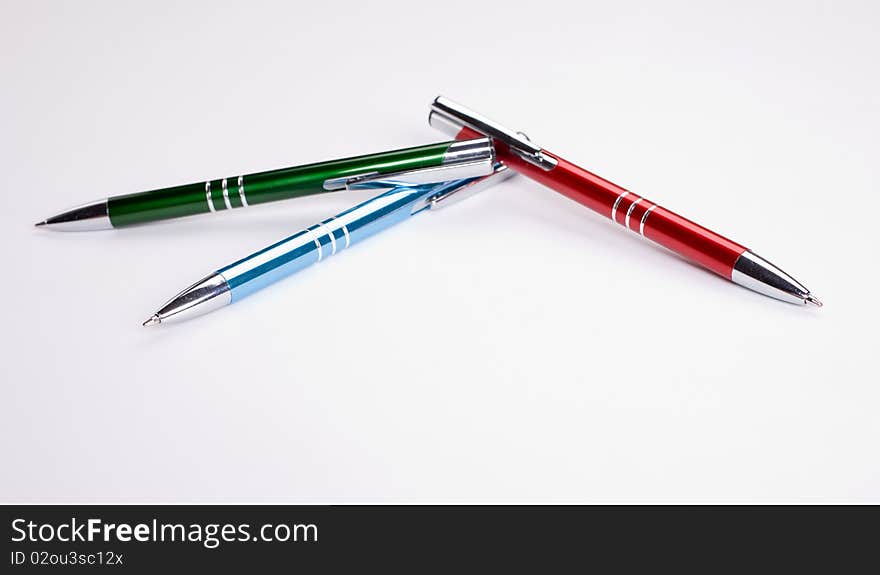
(406, 197)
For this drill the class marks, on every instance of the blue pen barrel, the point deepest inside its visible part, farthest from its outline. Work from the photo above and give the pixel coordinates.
(323, 240)
(247, 275)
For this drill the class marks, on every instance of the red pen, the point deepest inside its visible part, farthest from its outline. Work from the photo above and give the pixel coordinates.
(642, 216)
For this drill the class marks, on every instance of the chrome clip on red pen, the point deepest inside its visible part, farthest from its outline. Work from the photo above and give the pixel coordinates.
(684, 237)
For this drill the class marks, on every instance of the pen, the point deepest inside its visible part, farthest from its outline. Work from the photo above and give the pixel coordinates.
(235, 281)
(250, 189)
(684, 237)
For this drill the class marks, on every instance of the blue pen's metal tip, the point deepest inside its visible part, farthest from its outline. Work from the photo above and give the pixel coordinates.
(153, 320)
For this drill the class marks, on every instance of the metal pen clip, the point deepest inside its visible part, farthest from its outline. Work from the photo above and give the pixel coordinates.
(448, 197)
(450, 117)
(462, 160)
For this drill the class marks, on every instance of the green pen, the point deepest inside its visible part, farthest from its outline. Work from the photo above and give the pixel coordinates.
(422, 164)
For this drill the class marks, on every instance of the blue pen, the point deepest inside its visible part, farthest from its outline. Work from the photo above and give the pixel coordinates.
(406, 197)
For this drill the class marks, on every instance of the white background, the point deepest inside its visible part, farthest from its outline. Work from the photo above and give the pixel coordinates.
(514, 348)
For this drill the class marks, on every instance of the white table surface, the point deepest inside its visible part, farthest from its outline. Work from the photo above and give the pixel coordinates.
(513, 348)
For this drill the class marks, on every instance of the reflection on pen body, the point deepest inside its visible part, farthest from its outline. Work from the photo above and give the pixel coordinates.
(250, 189)
(320, 241)
(640, 215)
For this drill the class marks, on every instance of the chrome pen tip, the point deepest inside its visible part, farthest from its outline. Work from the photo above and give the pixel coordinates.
(153, 320)
(811, 299)
(38, 224)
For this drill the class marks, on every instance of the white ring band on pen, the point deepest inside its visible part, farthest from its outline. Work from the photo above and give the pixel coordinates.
(630, 211)
(645, 217)
(208, 197)
(617, 203)
(241, 191)
(330, 235)
(226, 195)
(316, 239)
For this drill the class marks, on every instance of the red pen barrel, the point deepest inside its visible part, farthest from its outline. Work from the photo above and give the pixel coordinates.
(693, 241)
(641, 216)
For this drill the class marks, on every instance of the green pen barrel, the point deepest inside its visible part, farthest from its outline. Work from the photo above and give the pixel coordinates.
(262, 187)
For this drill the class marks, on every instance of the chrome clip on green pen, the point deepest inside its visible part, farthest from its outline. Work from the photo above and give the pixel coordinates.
(421, 164)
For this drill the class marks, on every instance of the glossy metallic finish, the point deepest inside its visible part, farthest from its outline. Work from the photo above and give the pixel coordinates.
(317, 242)
(629, 212)
(444, 124)
(208, 197)
(447, 115)
(314, 244)
(645, 218)
(456, 194)
(672, 231)
(477, 149)
(219, 194)
(226, 194)
(615, 206)
(424, 176)
(756, 273)
(203, 296)
(466, 159)
(241, 191)
(87, 217)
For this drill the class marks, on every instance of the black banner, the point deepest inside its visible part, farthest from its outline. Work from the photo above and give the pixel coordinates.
(414, 538)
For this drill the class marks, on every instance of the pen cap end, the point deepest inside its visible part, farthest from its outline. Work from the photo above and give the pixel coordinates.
(447, 116)
(450, 117)
(444, 123)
